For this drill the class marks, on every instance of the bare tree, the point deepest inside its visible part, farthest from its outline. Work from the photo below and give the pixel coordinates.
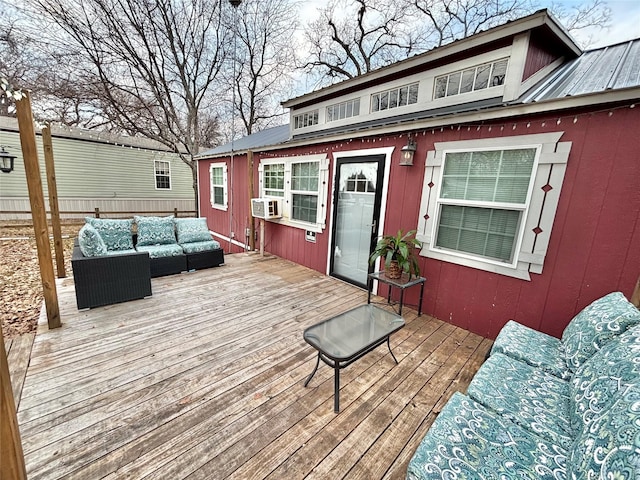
(451, 19)
(264, 60)
(147, 67)
(353, 37)
(345, 43)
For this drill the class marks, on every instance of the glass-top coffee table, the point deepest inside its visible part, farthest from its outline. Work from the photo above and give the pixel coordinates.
(345, 338)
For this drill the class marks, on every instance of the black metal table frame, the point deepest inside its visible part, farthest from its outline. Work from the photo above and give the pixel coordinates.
(379, 276)
(339, 363)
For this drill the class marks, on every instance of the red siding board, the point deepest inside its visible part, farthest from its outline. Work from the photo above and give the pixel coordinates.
(591, 249)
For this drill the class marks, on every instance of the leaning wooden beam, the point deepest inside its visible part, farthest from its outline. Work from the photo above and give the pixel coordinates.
(38, 211)
(11, 455)
(635, 296)
(52, 187)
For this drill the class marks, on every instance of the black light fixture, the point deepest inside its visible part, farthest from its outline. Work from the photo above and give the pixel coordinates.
(406, 153)
(6, 160)
(235, 3)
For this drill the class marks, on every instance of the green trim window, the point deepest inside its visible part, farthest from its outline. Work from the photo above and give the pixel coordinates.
(396, 97)
(471, 79)
(218, 182)
(162, 171)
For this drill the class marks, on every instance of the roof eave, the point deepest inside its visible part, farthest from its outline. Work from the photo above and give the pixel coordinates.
(538, 19)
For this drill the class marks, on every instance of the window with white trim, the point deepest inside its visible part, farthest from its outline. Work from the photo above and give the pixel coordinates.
(302, 184)
(339, 111)
(471, 79)
(305, 119)
(273, 177)
(218, 182)
(396, 97)
(162, 171)
(490, 203)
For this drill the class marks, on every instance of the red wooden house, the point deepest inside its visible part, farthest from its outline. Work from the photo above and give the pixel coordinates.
(523, 189)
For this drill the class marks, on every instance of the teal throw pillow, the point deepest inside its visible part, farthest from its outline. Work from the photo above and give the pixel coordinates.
(90, 241)
(155, 231)
(192, 230)
(115, 233)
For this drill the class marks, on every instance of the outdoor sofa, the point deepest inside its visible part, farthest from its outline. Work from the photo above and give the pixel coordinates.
(546, 408)
(112, 264)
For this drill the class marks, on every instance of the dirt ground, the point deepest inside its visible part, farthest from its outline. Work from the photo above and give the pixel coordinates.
(20, 281)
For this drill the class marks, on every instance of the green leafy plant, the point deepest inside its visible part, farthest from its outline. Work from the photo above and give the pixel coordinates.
(398, 248)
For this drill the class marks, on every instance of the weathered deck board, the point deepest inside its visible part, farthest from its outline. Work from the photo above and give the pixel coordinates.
(18, 353)
(205, 380)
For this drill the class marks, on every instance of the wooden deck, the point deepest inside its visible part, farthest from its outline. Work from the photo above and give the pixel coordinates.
(204, 380)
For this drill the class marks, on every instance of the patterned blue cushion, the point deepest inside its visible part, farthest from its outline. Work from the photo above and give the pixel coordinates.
(468, 442)
(610, 447)
(192, 230)
(595, 325)
(599, 381)
(159, 251)
(155, 230)
(90, 241)
(533, 347)
(116, 233)
(196, 247)
(534, 399)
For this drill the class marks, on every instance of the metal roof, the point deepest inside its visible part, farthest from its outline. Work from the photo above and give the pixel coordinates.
(263, 138)
(608, 68)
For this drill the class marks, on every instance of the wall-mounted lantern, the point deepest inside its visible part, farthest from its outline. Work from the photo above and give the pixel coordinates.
(407, 152)
(6, 160)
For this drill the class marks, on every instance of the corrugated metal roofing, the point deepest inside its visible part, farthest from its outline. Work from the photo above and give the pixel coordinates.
(608, 68)
(264, 138)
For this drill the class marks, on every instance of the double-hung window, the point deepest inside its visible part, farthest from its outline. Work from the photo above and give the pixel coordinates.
(218, 182)
(301, 183)
(162, 174)
(304, 191)
(482, 202)
(490, 203)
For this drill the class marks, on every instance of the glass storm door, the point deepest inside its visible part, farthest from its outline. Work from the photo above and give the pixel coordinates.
(357, 198)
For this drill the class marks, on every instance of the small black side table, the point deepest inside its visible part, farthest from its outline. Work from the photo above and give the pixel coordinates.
(402, 283)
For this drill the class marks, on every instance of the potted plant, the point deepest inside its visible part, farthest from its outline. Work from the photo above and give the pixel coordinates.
(397, 251)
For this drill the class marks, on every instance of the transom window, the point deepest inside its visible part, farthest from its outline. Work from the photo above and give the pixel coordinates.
(396, 97)
(218, 176)
(301, 182)
(471, 79)
(339, 111)
(305, 119)
(162, 174)
(482, 200)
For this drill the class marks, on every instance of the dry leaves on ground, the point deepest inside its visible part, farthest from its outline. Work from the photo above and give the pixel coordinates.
(20, 279)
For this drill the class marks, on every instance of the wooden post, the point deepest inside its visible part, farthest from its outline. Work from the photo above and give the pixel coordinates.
(635, 296)
(96, 212)
(52, 187)
(11, 454)
(262, 237)
(252, 225)
(38, 212)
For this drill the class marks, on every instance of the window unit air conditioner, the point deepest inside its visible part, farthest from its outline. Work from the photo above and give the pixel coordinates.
(266, 208)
